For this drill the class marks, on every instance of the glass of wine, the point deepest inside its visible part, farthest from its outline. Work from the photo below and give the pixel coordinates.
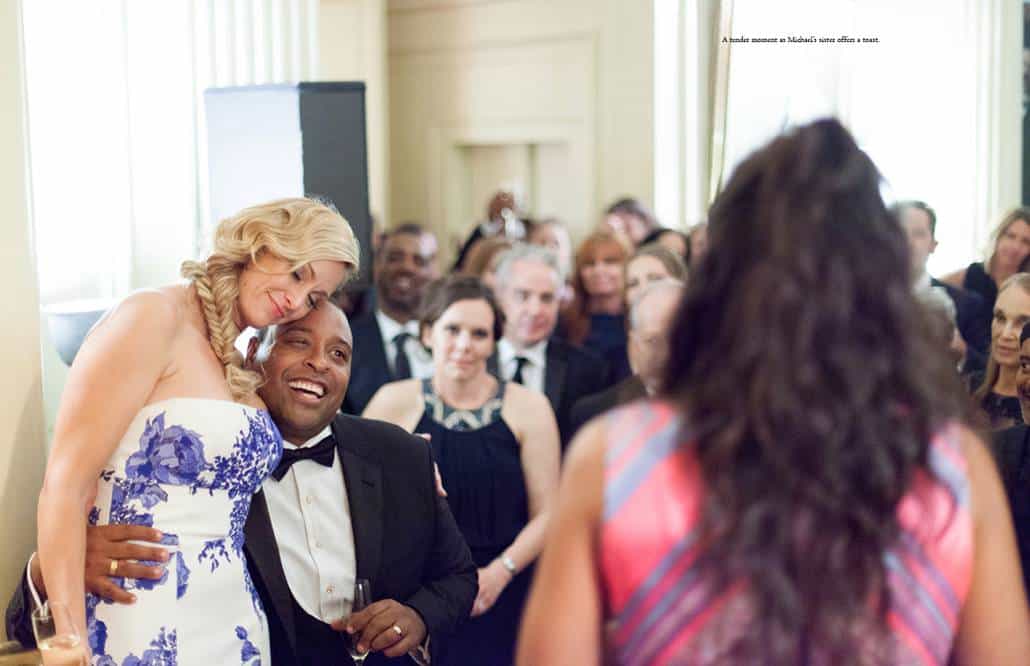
(362, 598)
(56, 636)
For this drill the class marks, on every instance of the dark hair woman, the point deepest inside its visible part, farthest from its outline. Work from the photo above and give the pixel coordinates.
(496, 444)
(630, 218)
(804, 491)
(677, 242)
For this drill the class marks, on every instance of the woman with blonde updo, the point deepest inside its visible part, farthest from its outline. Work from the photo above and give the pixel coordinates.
(160, 426)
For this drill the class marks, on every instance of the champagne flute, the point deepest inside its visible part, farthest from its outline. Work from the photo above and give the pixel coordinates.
(56, 636)
(362, 598)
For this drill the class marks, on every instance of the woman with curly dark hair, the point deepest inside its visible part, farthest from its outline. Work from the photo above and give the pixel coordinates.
(804, 491)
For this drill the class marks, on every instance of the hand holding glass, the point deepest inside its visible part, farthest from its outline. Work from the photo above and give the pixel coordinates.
(362, 598)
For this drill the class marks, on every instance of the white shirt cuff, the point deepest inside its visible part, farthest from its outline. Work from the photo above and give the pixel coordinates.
(28, 581)
(420, 653)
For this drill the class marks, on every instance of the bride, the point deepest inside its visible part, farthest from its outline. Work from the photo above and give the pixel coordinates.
(159, 425)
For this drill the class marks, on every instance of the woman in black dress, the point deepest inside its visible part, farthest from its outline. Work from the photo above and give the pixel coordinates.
(1011, 255)
(995, 390)
(496, 444)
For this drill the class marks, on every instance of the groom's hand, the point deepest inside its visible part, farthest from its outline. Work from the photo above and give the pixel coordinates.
(375, 624)
(109, 543)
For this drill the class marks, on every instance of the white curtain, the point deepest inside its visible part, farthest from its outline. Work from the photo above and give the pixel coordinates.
(997, 35)
(687, 102)
(116, 126)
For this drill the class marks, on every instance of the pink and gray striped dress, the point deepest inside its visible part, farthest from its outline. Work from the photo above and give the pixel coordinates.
(660, 610)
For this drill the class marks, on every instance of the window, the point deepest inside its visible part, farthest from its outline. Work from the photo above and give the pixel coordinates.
(116, 126)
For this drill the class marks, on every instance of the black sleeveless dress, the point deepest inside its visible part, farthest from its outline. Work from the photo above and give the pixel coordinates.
(481, 467)
(1002, 411)
(977, 280)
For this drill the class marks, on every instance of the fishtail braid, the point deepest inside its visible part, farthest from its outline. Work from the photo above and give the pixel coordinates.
(217, 287)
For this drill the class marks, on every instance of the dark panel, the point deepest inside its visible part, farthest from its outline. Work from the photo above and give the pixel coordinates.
(267, 142)
(332, 120)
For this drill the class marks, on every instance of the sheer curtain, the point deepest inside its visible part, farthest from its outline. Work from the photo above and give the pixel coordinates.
(116, 126)
(935, 100)
(686, 103)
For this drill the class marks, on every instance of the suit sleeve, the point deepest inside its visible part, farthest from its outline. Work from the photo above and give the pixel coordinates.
(449, 584)
(16, 618)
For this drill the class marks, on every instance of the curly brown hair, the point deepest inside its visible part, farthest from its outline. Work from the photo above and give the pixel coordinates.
(812, 389)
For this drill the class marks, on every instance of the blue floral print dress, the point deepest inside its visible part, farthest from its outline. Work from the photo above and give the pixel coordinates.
(187, 467)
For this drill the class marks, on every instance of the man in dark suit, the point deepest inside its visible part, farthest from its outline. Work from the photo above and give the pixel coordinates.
(1012, 452)
(650, 317)
(351, 499)
(529, 282)
(971, 317)
(387, 340)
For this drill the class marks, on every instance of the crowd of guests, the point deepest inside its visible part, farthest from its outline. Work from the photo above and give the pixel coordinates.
(770, 445)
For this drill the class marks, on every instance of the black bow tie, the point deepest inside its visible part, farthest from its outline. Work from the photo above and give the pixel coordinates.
(322, 453)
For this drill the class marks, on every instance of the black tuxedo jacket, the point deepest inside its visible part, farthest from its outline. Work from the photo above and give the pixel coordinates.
(627, 390)
(570, 374)
(1012, 452)
(370, 369)
(405, 538)
(972, 320)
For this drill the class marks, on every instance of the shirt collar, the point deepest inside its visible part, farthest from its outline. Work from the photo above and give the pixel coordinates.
(390, 328)
(325, 432)
(535, 354)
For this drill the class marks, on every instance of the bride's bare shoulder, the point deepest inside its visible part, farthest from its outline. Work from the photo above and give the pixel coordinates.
(160, 311)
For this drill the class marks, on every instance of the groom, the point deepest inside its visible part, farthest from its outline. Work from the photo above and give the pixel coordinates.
(352, 498)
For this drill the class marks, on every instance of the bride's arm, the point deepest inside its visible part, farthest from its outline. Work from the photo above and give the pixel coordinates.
(113, 374)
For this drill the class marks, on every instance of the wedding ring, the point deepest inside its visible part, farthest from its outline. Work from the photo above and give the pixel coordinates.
(398, 630)
(113, 568)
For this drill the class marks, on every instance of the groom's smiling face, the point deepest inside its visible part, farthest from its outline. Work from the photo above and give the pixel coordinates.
(307, 371)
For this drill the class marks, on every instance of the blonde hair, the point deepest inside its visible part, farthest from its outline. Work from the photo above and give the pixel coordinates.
(1010, 218)
(297, 230)
(1021, 280)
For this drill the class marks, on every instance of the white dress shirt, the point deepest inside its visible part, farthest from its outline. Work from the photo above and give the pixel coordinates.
(533, 369)
(310, 517)
(418, 358)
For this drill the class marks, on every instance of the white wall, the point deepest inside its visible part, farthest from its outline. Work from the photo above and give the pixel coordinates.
(21, 409)
(569, 80)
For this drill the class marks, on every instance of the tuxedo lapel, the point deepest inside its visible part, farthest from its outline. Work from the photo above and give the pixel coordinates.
(365, 497)
(554, 374)
(263, 549)
(371, 369)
